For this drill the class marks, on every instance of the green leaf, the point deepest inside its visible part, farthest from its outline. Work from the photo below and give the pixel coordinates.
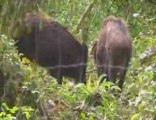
(135, 116)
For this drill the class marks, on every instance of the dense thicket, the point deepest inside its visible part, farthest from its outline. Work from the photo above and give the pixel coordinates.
(28, 92)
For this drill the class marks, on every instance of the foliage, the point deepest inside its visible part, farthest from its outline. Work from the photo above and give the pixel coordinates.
(30, 93)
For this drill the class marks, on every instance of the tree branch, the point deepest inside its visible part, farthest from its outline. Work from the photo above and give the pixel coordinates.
(86, 12)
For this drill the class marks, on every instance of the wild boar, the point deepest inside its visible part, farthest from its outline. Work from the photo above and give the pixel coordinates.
(113, 50)
(49, 44)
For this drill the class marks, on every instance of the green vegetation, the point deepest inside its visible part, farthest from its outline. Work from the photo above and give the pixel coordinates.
(30, 93)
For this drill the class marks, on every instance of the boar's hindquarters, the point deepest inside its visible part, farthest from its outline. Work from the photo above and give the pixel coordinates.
(118, 68)
(76, 70)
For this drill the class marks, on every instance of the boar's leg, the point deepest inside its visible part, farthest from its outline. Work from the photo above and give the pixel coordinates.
(80, 74)
(59, 79)
(85, 54)
(122, 74)
(100, 72)
(122, 77)
(111, 74)
(83, 74)
(111, 69)
(84, 62)
(57, 74)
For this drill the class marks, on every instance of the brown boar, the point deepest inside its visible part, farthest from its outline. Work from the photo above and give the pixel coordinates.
(112, 51)
(49, 44)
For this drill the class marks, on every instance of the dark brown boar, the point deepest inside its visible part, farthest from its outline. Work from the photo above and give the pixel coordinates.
(49, 44)
(112, 51)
